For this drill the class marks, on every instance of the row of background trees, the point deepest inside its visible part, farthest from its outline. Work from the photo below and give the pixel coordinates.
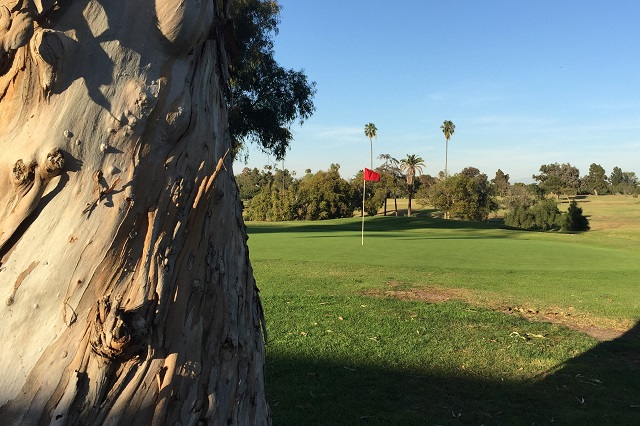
(274, 194)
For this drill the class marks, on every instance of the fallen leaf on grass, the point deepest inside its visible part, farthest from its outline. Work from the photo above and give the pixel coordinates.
(304, 333)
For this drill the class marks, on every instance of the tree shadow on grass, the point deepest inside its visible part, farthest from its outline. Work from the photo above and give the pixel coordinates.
(598, 387)
(425, 220)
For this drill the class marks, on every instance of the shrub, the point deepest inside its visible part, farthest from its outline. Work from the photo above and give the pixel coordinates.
(543, 215)
(574, 220)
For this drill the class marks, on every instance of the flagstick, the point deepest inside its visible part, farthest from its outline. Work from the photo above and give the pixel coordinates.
(364, 191)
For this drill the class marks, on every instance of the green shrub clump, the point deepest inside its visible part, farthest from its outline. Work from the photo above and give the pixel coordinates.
(545, 216)
(541, 216)
(574, 220)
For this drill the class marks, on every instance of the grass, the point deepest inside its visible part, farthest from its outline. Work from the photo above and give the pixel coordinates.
(355, 335)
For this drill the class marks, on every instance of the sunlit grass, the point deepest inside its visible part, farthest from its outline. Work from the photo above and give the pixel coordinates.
(589, 274)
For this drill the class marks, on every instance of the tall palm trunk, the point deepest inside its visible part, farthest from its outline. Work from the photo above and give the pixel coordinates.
(371, 152)
(446, 158)
(130, 298)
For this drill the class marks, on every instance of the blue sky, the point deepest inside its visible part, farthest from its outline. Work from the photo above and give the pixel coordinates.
(525, 82)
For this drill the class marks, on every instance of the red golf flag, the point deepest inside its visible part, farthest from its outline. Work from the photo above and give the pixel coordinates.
(370, 175)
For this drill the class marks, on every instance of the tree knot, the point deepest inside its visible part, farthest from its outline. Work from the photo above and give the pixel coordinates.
(116, 333)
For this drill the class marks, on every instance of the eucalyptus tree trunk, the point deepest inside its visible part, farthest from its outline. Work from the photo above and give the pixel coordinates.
(128, 296)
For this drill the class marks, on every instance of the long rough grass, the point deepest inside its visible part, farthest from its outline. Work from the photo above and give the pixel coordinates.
(429, 322)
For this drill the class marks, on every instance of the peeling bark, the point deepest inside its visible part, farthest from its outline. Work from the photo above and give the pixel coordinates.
(130, 298)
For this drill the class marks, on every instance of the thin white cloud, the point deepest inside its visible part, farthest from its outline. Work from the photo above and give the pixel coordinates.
(332, 132)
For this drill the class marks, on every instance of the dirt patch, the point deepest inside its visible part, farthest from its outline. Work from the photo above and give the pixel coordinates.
(576, 322)
(426, 294)
(572, 320)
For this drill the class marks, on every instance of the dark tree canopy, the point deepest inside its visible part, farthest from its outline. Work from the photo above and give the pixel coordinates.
(559, 179)
(251, 181)
(323, 195)
(596, 181)
(467, 195)
(376, 192)
(574, 220)
(623, 182)
(501, 183)
(539, 215)
(266, 99)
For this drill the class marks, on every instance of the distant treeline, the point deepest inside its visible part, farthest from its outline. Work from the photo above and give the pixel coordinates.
(276, 194)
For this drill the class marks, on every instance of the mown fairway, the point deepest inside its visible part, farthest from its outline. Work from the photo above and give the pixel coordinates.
(425, 323)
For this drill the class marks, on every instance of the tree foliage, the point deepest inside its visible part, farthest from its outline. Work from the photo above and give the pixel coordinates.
(391, 179)
(467, 195)
(411, 166)
(501, 183)
(448, 128)
(559, 179)
(371, 131)
(266, 99)
(563, 179)
(574, 220)
(251, 181)
(623, 182)
(376, 192)
(596, 181)
(323, 195)
(543, 215)
(272, 204)
(520, 194)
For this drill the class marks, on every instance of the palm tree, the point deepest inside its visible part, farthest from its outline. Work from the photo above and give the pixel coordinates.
(448, 128)
(371, 131)
(410, 166)
(392, 168)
